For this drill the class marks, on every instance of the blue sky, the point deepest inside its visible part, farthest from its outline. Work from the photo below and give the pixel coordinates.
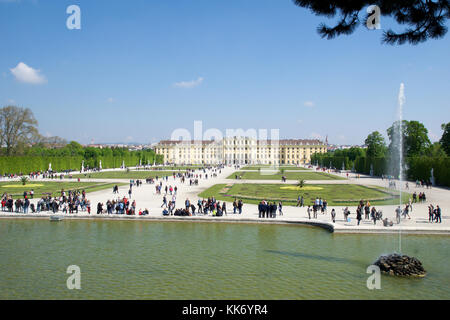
(139, 69)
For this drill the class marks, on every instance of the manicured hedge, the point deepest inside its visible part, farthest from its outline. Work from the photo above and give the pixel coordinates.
(420, 168)
(27, 164)
(417, 168)
(336, 162)
(379, 165)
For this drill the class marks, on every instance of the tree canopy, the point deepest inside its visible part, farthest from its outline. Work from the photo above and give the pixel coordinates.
(445, 139)
(415, 138)
(425, 19)
(17, 127)
(376, 146)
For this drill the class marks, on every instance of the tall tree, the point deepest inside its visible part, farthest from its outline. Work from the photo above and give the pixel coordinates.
(415, 138)
(17, 127)
(435, 150)
(417, 141)
(445, 139)
(376, 146)
(426, 19)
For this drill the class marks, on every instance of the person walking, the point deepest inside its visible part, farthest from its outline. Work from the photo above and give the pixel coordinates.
(164, 204)
(406, 212)
(333, 215)
(430, 213)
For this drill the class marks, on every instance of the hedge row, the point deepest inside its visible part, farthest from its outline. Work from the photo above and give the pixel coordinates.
(378, 165)
(27, 164)
(336, 162)
(418, 168)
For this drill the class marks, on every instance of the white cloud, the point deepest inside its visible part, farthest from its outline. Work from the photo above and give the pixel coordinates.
(309, 104)
(24, 73)
(315, 135)
(433, 137)
(189, 84)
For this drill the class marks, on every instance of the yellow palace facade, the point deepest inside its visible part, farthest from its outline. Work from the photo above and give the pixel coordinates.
(240, 150)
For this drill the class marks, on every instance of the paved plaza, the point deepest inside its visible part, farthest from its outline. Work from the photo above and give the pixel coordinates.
(146, 198)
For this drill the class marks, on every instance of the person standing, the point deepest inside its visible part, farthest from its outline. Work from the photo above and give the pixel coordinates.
(398, 213)
(333, 215)
(240, 206)
(309, 212)
(359, 214)
(438, 214)
(260, 209)
(280, 208)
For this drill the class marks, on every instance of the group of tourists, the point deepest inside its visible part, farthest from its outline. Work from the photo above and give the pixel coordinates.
(370, 213)
(421, 198)
(204, 207)
(269, 210)
(18, 206)
(120, 205)
(423, 184)
(69, 202)
(434, 214)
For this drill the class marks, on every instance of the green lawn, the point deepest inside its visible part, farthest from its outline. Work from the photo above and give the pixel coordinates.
(41, 187)
(257, 167)
(335, 194)
(305, 175)
(132, 174)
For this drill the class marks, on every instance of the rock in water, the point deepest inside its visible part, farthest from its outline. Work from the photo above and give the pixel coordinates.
(400, 265)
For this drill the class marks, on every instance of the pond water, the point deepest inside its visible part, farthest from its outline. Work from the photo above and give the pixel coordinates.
(184, 260)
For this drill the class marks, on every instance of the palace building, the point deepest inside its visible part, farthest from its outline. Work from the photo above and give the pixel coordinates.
(240, 150)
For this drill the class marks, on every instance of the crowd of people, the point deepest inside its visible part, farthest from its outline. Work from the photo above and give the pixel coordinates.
(74, 201)
(67, 202)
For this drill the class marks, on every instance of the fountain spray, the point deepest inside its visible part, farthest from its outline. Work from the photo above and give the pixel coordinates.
(401, 102)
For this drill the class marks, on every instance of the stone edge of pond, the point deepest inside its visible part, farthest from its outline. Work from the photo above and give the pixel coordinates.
(322, 224)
